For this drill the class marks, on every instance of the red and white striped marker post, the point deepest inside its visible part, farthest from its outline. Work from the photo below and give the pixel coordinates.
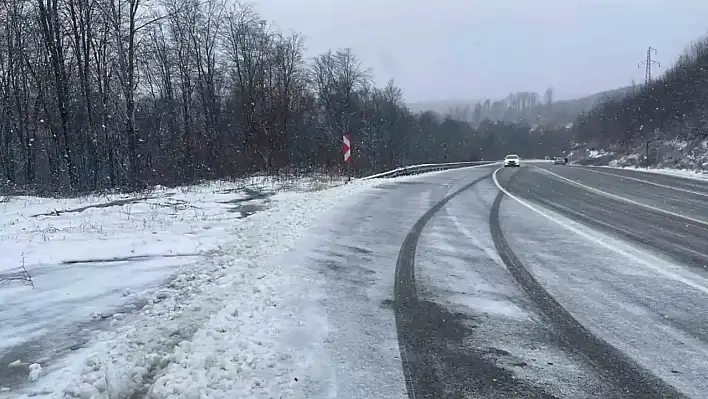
(347, 149)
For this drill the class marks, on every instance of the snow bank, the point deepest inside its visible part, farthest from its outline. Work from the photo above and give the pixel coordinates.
(597, 153)
(664, 155)
(186, 293)
(688, 174)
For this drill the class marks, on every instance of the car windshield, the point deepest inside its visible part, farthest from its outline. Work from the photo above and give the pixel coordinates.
(512, 157)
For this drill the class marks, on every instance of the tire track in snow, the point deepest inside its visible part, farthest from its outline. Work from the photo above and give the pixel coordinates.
(436, 363)
(630, 377)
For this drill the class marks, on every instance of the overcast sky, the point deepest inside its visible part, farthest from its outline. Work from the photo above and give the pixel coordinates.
(461, 49)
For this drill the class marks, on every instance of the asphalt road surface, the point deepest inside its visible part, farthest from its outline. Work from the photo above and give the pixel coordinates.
(550, 282)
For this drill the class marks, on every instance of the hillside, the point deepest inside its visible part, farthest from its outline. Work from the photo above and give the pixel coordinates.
(668, 119)
(521, 107)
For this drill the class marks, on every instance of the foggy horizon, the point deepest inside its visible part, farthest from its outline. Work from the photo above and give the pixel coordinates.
(462, 50)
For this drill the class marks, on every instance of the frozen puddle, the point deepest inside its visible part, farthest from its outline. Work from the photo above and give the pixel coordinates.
(255, 200)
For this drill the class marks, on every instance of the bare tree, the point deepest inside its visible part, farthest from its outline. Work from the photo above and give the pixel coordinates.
(98, 94)
(58, 111)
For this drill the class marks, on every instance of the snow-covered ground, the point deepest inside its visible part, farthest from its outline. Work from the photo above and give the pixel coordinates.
(180, 293)
(688, 174)
(598, 153)
(676, 157)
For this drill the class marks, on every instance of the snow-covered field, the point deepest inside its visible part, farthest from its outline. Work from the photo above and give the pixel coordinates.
(180, 293)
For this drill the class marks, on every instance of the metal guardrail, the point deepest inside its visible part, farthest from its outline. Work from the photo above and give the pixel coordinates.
(424, 168)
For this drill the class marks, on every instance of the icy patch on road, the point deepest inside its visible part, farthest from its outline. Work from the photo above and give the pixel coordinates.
(482, 287)
(106, 267)
(493, 307)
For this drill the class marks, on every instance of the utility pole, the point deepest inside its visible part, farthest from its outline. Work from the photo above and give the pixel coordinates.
(647, 80)
(648, 63)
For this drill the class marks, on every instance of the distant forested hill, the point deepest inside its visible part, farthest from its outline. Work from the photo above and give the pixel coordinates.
(521, 107)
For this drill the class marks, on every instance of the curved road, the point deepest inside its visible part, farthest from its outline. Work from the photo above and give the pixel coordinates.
(535, 282)
(556, 281)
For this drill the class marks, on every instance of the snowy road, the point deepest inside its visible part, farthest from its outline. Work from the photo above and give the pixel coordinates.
(572, 282)
(534, 282)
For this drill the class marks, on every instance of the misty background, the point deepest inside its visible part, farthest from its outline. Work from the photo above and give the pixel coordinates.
(476, 49)
(125, 94)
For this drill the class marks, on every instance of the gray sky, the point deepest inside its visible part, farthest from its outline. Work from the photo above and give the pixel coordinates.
(462, 49)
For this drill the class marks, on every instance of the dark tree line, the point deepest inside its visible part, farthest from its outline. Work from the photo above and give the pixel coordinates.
(101, 94)
(673, 106)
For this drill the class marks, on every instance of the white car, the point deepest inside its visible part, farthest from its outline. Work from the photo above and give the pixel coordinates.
(512, 160)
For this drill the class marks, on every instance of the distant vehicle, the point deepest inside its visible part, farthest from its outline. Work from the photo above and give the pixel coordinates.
(560, 161)
(512, 160)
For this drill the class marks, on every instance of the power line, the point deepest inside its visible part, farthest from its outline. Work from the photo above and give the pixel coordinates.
(648, 64)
